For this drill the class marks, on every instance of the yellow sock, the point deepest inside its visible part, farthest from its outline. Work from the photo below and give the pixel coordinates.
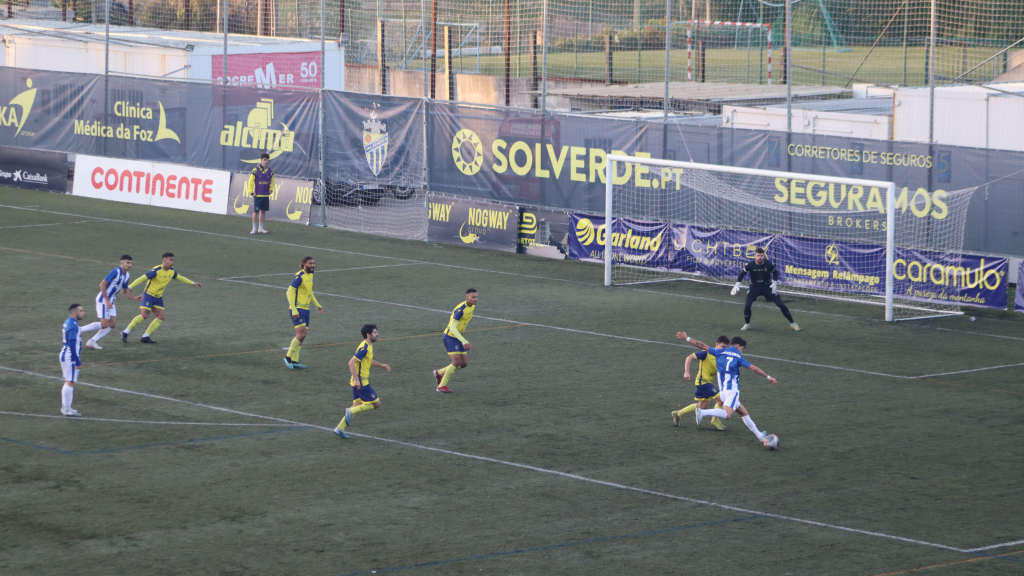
(295, 350)
(448, 374)
(153, 325)
(441, 371)
(135, 322)
(686, 410)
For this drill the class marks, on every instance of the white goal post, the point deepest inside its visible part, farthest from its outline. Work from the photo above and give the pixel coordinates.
(753, 203)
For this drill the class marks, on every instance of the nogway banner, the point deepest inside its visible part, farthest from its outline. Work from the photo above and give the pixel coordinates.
(478, 224)
(34, 169)
(1018, 299)
(289, 201)
(202, 125)
(152, 184)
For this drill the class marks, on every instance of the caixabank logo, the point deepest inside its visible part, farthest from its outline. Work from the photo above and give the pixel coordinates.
(15, 114)
(259, 134)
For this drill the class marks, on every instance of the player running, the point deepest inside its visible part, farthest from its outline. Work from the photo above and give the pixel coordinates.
(764, 279)
(455, 342)
(300, 294)
(156, 281)
(113, 284)
(363, 397)
(729, 362)
(71, 355)
(706, 391)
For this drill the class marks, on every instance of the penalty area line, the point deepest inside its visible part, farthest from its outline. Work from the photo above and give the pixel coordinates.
(87, 419)
(519, 466)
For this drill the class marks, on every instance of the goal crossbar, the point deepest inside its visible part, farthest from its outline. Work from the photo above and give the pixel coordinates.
(890, 201)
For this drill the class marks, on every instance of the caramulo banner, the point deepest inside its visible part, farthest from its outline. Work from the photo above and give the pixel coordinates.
(152, 183)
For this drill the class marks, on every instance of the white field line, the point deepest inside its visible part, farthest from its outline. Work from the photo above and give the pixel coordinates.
(323, 271)
(972, 370)
(599, 334)
(994, 546)
(589, 284)
(87, 419)
(51, 224)
(526, 467)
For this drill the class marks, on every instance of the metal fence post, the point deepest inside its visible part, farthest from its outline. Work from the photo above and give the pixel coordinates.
(544, 72)
(323, 136)
(668, 52)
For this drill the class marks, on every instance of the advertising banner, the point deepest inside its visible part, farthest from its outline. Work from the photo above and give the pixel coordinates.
(542, 227)
(1018, 299)
(478, 224)
(633, 242)
(289, 201)
(201, 125)
(950, 278)
(716, 252)
(34, 169)
(831, 265)
(374, 139)
(151, 183)
(270, 70)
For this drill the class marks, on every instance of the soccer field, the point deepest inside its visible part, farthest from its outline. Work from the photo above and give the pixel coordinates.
(900, 443)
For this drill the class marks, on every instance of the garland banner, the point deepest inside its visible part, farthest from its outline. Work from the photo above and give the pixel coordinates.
(634, 243)
(716, 252)
(831, 265)
(478, 224)
(1018, 299)
(943, 278)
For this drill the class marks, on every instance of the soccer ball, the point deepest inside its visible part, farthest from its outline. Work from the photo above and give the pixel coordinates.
(771, 441)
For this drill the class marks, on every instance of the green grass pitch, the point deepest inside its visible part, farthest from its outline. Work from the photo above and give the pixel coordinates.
(900, 443)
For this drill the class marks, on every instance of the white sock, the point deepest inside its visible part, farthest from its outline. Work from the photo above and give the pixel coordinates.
(103, 332)
(66, 394)
(146, 335)
(753, 427)
(126, 331)
(713, 412)
(261, 225)
(91, 327)
(253, 226)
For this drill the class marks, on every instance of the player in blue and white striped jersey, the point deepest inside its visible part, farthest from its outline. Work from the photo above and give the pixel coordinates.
(71, 355)
(728, 362)
(112, 284)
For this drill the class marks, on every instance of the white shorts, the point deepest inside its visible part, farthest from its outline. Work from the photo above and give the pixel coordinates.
(730, 398)
(105, 312)
(70, 371)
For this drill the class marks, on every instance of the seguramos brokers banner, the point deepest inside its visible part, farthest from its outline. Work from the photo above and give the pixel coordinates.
(831, 265)
(151, 183)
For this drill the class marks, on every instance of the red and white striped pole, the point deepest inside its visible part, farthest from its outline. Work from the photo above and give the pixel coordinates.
(689, 56)
(769, 26)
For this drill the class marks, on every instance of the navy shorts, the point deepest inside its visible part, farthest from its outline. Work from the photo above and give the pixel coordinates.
(151, 302)
(705, 392)
(302, 320)
(365, 394)
(452, 345)
(261, 203)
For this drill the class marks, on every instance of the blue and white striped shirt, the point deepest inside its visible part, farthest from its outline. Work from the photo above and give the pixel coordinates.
(728, 362)
(72, 349)
(117, 280)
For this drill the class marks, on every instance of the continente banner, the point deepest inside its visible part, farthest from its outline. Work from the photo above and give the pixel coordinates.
(633, 242)
(289, 200)
(477, 224)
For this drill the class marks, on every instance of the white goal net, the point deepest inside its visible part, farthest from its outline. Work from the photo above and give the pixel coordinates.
(837, 238)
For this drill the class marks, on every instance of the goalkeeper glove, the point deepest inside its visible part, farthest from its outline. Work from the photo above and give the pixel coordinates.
(775, 287)
(735, 289)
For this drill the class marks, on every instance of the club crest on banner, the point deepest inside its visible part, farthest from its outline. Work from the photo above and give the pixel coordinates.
(375, 142)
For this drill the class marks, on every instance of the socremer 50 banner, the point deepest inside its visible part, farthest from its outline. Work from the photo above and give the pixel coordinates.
(143, 119)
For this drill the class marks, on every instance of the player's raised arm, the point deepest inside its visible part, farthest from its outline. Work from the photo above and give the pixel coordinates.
(184, 280)
(763, 374)
(697, 343)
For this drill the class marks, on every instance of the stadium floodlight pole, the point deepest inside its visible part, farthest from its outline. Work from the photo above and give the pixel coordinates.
(789, 65)
(323, 140)
(890, 195)
(931, 78)
(106, 42)
(225, 63)
(544, 72)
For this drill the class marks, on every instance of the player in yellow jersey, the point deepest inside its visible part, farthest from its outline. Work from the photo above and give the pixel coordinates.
(707, 376)
(300, 294)
(156, 281)
(455, 342)
(363, 397)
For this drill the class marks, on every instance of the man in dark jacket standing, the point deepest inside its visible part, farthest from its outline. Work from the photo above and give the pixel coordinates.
(261, 185)
(764, 278)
